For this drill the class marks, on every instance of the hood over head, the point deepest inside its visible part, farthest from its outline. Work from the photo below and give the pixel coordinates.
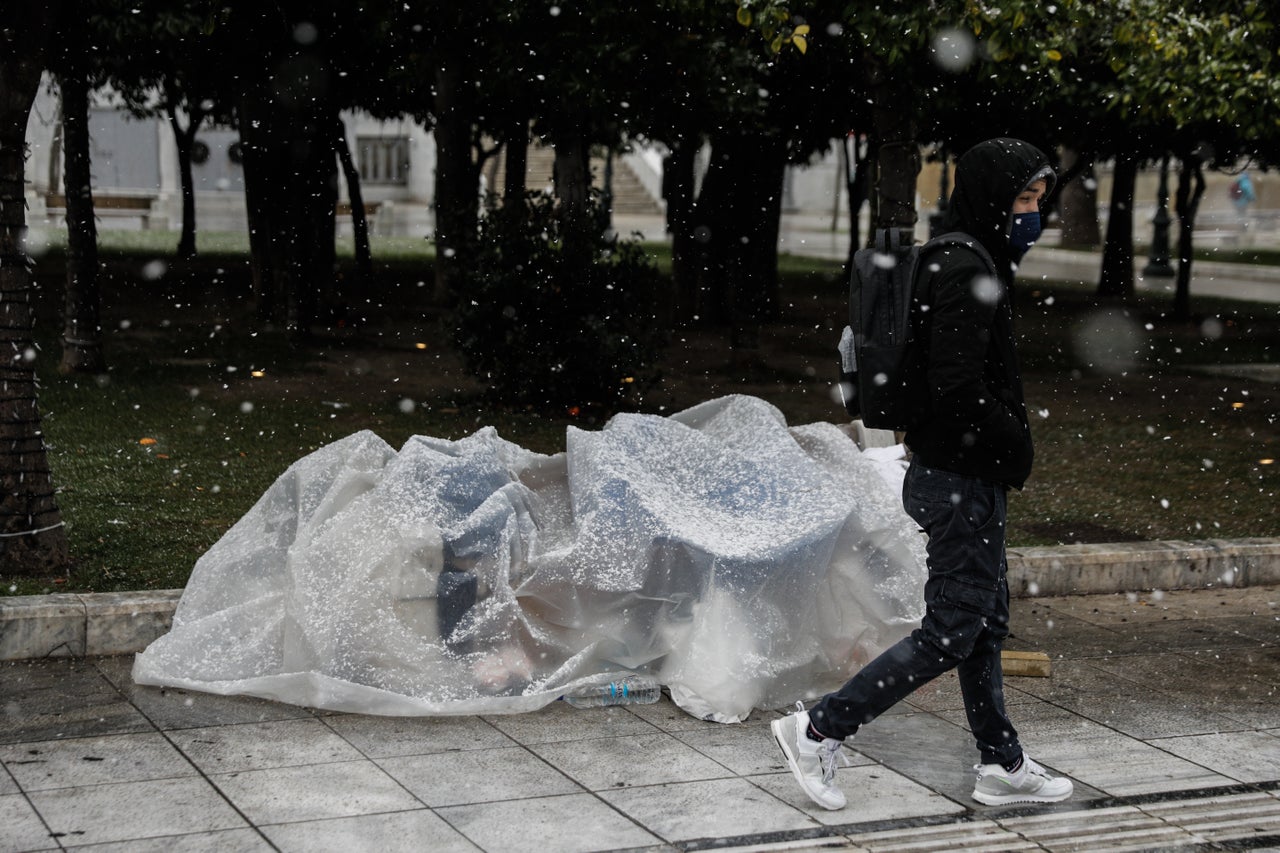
(988, 179)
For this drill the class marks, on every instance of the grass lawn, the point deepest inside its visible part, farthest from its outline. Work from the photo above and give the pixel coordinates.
(200, 411)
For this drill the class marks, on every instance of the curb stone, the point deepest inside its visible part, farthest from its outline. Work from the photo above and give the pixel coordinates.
(118, 623)
(84, 624)
(1093, 569)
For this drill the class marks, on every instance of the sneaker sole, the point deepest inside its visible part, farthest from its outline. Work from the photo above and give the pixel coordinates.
(1009, 799)
(795, 767)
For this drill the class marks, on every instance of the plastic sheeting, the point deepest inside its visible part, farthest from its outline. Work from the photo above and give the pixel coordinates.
(741, 563)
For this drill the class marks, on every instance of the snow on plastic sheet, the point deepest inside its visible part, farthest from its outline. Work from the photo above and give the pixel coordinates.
(740, 562)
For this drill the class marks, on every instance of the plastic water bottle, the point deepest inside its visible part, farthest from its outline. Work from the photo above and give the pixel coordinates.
(632, 690)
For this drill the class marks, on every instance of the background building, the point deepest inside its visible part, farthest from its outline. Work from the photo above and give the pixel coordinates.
(136, 180)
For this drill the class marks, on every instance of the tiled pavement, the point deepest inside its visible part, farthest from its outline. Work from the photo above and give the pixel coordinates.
(1165, 710)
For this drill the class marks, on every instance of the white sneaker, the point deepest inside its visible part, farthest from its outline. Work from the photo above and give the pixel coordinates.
(812, 763)
(1031, 783)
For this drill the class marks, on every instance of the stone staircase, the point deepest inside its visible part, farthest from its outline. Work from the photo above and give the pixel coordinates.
(629, 194)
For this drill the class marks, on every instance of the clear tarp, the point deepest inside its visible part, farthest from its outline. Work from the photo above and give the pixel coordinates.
(740, 562)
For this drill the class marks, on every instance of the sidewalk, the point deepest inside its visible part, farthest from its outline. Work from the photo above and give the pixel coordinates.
(811, 236)
(1164, 709)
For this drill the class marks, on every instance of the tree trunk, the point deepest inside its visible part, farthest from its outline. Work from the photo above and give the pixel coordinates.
(316, 258)
(1158, 265)
(359, 221)
(856, 179)
(767, 185)
(515, 178)
(263, 200)
(1078, 202)
(1190, 190)
(678, 192)
(184, 138)
(33, 541)
(578, 230)
(573, 180)
(713, 229)
(736, 222)
(82, 331)
(1117, 255)
(457, 175)
(290, 194)
(897, 163)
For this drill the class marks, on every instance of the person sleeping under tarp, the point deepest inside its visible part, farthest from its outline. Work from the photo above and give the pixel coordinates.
(739, 562)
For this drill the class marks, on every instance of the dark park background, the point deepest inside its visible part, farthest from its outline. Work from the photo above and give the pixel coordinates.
(152, 388)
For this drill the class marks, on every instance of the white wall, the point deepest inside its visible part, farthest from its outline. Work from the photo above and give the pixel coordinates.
(139, 158)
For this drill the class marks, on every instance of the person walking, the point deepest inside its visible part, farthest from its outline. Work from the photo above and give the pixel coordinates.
(975, 446)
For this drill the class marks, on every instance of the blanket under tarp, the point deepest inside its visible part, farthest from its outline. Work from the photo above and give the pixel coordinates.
(740, 562)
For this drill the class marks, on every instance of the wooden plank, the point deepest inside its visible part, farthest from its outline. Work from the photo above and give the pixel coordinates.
(343, 208)
(1030, 664)
(104, 201)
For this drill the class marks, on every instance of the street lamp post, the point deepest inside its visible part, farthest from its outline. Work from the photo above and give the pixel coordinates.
(1158, 261)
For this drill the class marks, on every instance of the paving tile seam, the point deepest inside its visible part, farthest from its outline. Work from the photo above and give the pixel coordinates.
(199, 771)
(1189, 654)
(597, 795)
(994, 817)
(1256, 842)
(50, 832)
(1243, 725)
(377, 760)
(1199, 830)
(442, 812)
(1234, 827)
(833, 831)
(383, 813)
(1155, 742)
(1106, 838)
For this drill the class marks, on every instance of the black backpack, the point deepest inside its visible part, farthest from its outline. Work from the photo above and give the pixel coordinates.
(883, 377)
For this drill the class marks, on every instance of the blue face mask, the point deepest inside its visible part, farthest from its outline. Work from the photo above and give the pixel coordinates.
(1025, 231)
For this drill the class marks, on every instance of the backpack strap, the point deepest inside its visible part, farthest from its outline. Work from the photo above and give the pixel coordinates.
(951, 238)
(959, 238)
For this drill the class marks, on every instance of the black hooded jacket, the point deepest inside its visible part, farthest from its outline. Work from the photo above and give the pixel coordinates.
(978, 424)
